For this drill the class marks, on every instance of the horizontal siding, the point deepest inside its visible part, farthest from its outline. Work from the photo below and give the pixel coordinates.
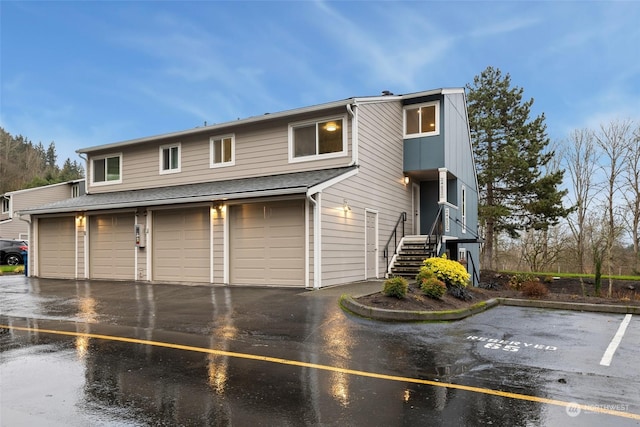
(25, 199)
(377, 186)
(40, 196)
(218, 244)
(260, 150)
(13, 228)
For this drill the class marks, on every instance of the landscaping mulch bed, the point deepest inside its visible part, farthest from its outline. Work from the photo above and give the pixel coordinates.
(624, 292)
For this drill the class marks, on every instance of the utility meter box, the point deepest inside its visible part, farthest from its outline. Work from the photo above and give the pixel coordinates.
(140, 236)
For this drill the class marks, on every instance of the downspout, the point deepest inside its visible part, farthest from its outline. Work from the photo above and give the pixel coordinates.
(317, 240)
(29, 260)
(354, 132)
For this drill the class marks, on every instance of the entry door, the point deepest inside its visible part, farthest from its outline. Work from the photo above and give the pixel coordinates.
(372, 244)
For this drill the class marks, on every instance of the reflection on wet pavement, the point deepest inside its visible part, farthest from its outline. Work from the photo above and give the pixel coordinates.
(85, 380)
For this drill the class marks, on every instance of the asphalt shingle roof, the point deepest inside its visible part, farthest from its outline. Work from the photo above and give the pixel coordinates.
(290, 183)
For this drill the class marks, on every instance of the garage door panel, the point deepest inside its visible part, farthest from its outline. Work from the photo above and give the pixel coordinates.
(111, 246)
(181, 245)
(56, 247)
(284, 242)
(267, 243)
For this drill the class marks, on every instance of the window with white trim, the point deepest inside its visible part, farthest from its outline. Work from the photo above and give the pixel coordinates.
(107, 169)
(422, 119)
(223, 151)
(317, 139)
(170, 158)
(6, 204)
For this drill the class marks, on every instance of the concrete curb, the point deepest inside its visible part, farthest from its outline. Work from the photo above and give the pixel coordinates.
(351, 305)
(575, 306)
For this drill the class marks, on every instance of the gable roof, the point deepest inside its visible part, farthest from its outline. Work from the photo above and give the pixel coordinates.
(42, 187)
(290, 183)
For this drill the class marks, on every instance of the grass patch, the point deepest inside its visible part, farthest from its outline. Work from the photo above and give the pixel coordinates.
(10, 268)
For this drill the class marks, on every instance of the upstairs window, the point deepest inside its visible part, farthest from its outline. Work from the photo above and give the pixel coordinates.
(223, 151)
(422, 120)
(107, 169)
(170, 158)
(315, 140)
(6, 205)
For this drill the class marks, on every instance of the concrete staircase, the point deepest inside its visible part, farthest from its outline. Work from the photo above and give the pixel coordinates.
(413, 251)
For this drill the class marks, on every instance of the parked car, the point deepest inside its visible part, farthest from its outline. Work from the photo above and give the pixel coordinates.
(11, 251)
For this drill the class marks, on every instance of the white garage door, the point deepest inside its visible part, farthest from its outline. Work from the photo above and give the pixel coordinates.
(267, 243)
(112, 246)
(181, 245)
(57, 247)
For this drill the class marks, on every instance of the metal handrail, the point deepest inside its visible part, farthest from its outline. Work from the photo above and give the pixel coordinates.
(435, 231)
(463, 226)
(474, 271)
(394, 235)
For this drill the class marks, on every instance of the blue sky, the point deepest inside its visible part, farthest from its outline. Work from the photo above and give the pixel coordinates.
(95, 72)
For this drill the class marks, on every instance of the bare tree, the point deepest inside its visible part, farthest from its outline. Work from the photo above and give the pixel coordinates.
(580, 159)
(541, 249)
(631, 194)
(614, 140)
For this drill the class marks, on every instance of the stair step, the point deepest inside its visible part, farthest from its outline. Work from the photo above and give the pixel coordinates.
(413, 251)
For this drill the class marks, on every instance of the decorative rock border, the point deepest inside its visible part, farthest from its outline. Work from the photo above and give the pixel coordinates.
(348, 303)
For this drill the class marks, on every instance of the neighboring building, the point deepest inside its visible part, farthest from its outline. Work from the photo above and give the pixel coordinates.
(11, 226)
(307, 197)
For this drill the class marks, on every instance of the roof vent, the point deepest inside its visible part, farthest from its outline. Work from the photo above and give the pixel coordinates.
(386, 93)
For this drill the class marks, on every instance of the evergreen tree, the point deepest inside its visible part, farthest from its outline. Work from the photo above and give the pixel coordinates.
(516, 190)
(26, 165)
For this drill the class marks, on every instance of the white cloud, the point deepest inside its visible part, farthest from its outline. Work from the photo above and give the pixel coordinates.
(502, 26)
(393, 47)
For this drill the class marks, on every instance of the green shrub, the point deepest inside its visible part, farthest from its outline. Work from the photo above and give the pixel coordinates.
(424, 274)
(433, 288)
(452, 273)
(534, 289)
(517, 280)
(396, 287)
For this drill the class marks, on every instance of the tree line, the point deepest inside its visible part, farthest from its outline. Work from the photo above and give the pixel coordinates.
(24, 164)
(571, 205)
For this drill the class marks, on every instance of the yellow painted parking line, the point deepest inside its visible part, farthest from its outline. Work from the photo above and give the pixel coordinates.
(488, 391)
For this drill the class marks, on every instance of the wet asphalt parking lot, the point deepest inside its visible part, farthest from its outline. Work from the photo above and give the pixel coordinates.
(85, 353)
